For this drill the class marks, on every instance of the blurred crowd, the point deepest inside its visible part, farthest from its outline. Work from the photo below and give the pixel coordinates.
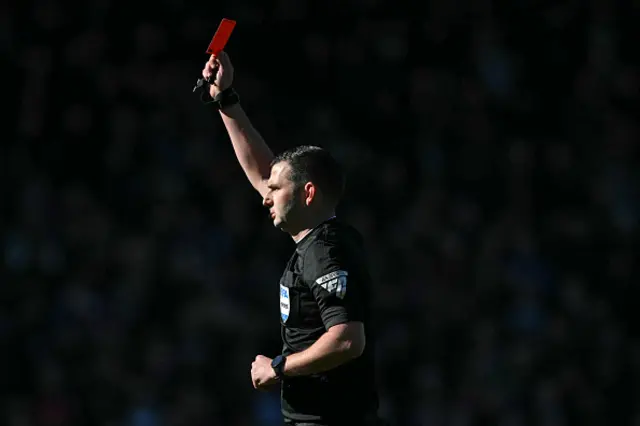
(491, 167)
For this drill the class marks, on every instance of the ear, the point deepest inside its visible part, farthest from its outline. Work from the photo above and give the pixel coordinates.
(309, 193)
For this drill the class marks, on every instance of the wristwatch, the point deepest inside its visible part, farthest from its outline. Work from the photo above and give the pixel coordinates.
(278, 365)
(224, 99)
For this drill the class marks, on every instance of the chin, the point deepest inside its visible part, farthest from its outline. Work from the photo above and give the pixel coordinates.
(281, 225)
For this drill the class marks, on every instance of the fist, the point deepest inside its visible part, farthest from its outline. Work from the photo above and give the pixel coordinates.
(262, 374)
(219, 72)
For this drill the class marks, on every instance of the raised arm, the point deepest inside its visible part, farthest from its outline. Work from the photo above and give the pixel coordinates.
(251, 150)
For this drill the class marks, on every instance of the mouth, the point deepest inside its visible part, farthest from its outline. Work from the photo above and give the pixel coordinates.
(272, 215)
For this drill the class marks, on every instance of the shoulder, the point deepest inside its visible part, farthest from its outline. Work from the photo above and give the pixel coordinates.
(334, 234)
(333, 242)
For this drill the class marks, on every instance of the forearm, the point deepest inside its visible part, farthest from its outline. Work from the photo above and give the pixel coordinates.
(251, 150)
(328, 352)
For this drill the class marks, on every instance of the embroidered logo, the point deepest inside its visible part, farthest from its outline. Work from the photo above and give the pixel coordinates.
(334, 282)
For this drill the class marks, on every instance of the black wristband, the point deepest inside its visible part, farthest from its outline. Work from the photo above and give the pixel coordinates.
(224, 99)
(278, 366)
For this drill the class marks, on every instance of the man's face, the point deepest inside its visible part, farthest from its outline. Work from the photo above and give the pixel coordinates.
(283, 199)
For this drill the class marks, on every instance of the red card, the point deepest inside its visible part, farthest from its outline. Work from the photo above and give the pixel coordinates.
(221, 36)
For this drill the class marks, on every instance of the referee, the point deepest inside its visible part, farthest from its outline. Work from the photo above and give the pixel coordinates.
(326, 368)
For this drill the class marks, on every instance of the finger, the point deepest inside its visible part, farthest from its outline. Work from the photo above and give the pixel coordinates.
(208, 69)
(224, 59)
(215, 72)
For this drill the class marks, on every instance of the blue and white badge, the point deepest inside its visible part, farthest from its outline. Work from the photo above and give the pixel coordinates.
(285, 303)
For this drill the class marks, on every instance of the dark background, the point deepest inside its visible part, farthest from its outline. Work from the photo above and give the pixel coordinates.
(492, 151)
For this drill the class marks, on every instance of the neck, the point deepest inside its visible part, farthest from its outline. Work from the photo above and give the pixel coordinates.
(299, 234)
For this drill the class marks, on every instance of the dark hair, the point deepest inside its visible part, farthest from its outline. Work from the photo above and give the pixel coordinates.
(317, 165)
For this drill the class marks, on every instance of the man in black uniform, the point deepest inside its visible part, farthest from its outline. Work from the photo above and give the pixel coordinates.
(326, 368)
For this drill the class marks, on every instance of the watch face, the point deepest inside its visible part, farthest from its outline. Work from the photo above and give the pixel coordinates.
(276, 361)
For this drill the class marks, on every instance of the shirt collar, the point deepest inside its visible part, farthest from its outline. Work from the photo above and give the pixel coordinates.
(309, 237)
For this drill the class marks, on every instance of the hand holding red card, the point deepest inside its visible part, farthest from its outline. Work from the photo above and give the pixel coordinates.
(218, 72)
(218, 42)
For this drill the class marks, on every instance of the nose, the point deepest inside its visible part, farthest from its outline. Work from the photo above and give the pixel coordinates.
(267, 202)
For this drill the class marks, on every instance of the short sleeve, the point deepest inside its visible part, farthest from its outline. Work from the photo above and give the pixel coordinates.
(334, 282)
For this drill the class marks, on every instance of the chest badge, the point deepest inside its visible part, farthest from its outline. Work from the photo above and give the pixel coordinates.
(285, 303)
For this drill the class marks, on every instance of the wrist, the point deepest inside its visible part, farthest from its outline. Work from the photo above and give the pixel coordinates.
(223, 100)
(215, 91)
(278, 366)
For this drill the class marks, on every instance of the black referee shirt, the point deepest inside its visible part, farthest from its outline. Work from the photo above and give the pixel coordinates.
(327, 282)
